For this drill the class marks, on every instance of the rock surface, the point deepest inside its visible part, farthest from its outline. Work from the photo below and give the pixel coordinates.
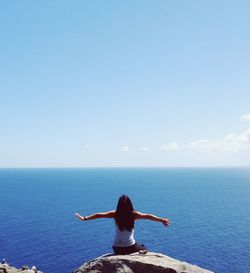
(138, 263)
(5, 268)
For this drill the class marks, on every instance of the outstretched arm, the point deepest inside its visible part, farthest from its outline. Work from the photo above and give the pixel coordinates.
(139, 215)
(108, 214)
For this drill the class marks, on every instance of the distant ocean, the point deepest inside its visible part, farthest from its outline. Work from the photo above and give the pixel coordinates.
(209, 209)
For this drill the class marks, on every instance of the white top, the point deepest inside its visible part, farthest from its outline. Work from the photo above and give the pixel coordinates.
(124, 238)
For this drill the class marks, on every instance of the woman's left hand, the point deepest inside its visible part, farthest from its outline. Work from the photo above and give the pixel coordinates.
(79, 216)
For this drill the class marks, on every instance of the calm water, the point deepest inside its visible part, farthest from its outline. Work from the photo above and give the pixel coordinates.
(209, 209)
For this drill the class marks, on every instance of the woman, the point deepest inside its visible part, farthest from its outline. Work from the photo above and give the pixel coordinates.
(125, 217)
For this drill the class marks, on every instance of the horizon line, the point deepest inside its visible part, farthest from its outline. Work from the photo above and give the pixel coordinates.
(129, 167)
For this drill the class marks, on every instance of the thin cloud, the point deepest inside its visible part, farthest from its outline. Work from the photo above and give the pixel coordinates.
(232, 142)
(172, 146)
(145, 149)
(203, 145)
(238, 142)
(124, 148)
(245, 117)
(87, 146)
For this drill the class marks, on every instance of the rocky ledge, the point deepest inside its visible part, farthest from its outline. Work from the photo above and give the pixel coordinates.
(138, 263)
(6, 268)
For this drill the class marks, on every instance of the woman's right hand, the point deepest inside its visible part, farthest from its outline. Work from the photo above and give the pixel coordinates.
(166, 222)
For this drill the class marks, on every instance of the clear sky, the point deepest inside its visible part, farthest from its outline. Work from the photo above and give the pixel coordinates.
(124, 83)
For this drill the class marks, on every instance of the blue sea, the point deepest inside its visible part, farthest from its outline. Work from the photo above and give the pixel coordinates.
(209, 209)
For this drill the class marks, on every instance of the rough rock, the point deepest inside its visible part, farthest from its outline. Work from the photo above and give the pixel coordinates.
(5, 268)
(138, 263)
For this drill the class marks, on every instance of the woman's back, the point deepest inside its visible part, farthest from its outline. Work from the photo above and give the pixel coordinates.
(124, 238)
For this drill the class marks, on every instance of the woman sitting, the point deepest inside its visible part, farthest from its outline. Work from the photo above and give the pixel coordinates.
(125, 217)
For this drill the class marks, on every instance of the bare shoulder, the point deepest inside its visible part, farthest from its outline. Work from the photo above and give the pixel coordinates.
(111, 213)
(138, 215)
(107, 214)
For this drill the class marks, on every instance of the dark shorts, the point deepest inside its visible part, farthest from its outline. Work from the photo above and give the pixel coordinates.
(128, 249)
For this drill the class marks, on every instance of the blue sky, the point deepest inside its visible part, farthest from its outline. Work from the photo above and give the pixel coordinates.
(124, 83)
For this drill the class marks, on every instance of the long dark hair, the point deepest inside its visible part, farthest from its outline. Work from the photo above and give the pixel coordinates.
(124, 217)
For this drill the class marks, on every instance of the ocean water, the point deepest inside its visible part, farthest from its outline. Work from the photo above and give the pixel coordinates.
(209, 209)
